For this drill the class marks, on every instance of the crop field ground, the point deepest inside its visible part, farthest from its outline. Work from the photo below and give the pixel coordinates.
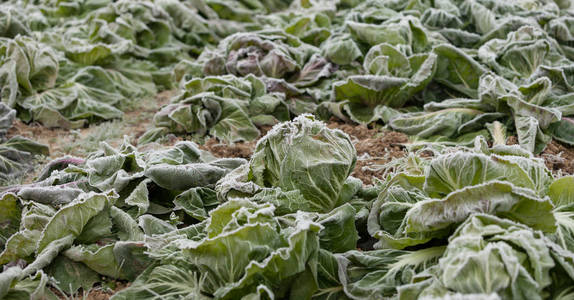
(286, 149)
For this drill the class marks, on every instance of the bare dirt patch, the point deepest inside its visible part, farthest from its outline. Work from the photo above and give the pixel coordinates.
(81, 141)
(239, 149)
(53, 138)
(96, 293)
(512, 140)
(221, 149)
(559, 158)
(375, 147)
(139, 120)
(105, 294)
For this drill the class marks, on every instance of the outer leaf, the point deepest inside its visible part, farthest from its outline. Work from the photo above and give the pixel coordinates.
(490, 198)
(80, 212)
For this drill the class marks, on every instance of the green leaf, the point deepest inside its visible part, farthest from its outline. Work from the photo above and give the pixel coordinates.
(197, 202)
(307, 156)
(561, 191)
(339, 233)
(71, 275)
(496, 198)
(563, 131)
(10, 214)
(73, 218)
(491, 255)
(176, 281)
(457, 70)
(183, 177)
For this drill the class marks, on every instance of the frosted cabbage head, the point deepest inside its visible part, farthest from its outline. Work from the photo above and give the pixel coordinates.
(307, 156)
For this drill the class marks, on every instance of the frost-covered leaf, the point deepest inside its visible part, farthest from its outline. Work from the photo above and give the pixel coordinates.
(72, 219)
(71, 275)
(302, 155)
(483, 257)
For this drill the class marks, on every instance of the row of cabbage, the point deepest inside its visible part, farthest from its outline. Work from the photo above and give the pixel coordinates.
(66, 63)
(440, 71)
(413, 65)
(178, 223)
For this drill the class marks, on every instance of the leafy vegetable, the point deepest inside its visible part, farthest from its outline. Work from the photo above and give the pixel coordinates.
(473, 221)
(17, 152)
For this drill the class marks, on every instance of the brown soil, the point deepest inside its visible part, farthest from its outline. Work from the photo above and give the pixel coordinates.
(101, 294)
(54, 138)
(264, 129)
(79, 142)
(512, 140)
(559, 158)
(96, 293)
(221, 149)
(139, 120)
(355, 131)
(134, 123)
(375, 147)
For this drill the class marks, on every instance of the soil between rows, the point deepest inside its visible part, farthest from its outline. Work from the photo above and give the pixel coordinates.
(376, 147)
